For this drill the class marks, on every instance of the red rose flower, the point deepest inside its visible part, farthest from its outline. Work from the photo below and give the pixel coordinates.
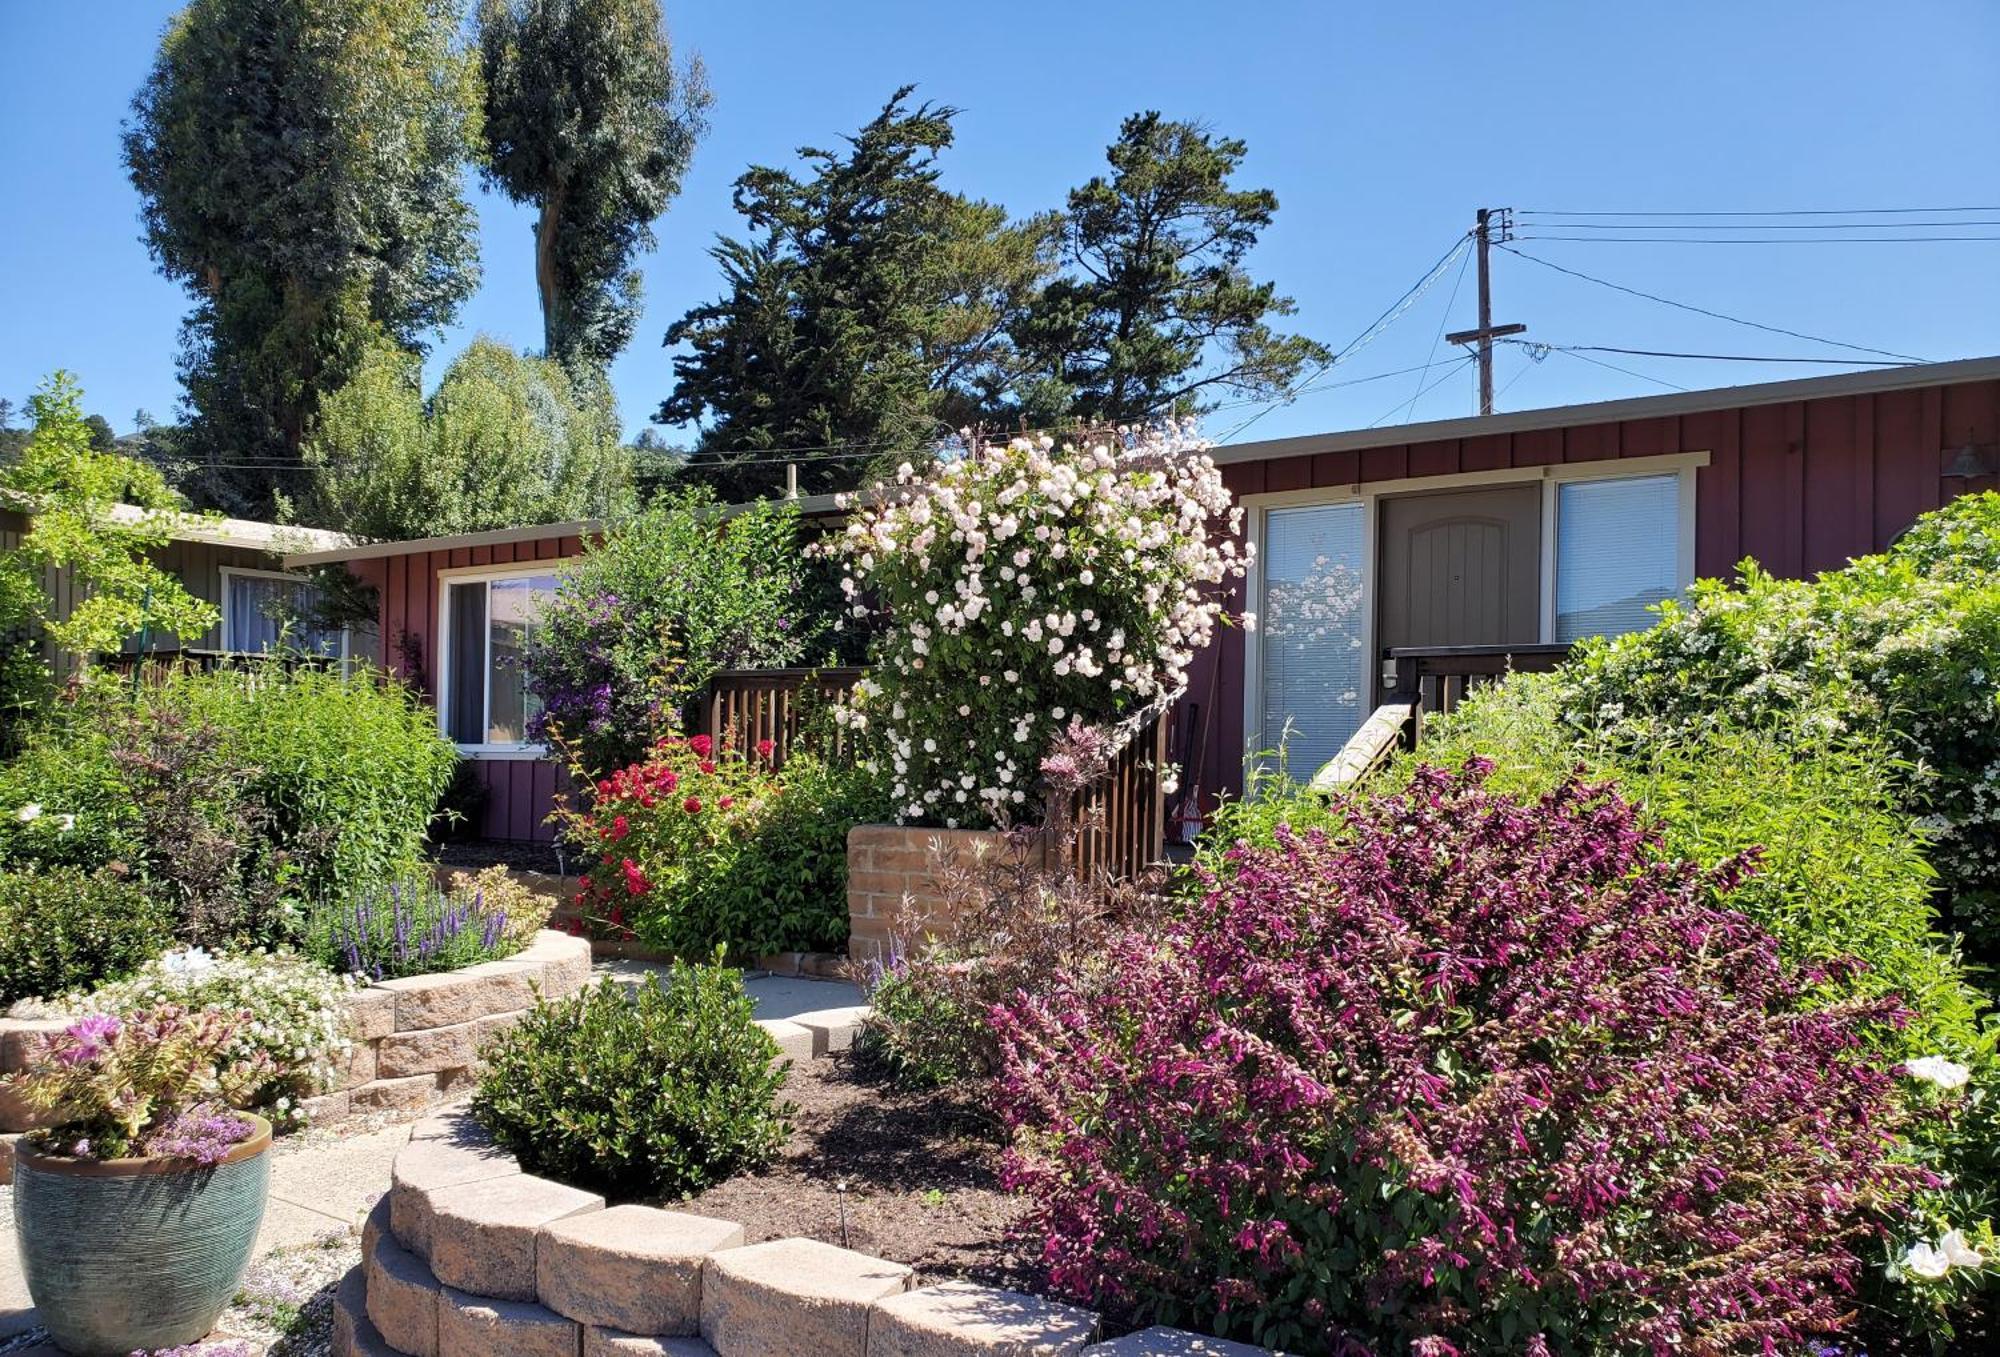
(604, 787)
(691, 805)
(726, 802)
(670, 781)
(708, 766)
(620, 827)
(765, 749)
(701, 745)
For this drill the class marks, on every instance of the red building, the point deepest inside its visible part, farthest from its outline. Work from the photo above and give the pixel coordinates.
(1533, 527)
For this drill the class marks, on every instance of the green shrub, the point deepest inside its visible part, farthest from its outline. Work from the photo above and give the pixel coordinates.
(350, 768)
(62, 930)
(235, 795)
(918, 1032)
(63, 800)
(1840, 870)
(296, 1041)
(1901, 647)
(659, 1091)
(644, 617)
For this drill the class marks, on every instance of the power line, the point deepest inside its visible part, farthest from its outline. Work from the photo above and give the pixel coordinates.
(1704, 311)
(1451, 371)
(1599, 362)
(1732, 240)
(1355, 345)
(1947, 224)
(1443, 321)
(1730, 357)
(1780, 212)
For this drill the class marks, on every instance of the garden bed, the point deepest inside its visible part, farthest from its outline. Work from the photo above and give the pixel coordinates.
(921, 1170)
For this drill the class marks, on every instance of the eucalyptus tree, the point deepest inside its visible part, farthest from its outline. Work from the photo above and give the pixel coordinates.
(588, 121)
(301, 166)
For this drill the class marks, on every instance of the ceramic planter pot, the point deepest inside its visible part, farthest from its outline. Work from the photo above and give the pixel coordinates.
(126, 1255)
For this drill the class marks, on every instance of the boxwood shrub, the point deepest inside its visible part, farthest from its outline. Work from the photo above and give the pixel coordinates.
(656, 1091)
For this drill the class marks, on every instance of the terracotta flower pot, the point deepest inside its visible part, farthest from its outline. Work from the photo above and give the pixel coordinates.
(126, 1255)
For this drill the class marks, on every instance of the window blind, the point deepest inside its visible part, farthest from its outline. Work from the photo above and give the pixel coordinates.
(1617, 553)
(1313, 675)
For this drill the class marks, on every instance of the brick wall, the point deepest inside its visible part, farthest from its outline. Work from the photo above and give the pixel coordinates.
(888, 863)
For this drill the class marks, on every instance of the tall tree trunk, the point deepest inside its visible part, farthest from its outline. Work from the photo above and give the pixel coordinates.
(546, 228)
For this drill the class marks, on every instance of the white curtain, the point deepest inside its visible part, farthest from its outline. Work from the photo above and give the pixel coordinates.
(262, 608)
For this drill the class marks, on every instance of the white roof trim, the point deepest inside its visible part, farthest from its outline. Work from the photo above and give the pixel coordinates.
(182, 526)
(532, 532)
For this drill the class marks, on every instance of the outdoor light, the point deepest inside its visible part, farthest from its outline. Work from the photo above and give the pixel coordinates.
(1975, 460)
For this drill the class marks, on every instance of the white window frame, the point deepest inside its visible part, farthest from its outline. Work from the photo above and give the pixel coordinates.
(476, 574)
(227, 571)
(1370, 494)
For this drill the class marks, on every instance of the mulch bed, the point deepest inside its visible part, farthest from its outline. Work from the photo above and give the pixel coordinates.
(922, 1171)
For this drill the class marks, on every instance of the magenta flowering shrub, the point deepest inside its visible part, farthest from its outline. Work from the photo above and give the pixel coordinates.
(1470, 1076)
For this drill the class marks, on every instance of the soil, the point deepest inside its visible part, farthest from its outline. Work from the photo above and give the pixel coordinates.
(470, 855)
(922, 1173)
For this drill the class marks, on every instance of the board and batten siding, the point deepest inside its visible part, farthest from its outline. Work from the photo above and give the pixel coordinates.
(1802, 486)
(197, 565)
(519, 791)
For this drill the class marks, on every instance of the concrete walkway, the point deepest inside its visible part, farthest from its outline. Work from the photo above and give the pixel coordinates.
(323, 1183)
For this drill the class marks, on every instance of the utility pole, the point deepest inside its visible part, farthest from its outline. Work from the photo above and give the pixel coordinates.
(1492, 222)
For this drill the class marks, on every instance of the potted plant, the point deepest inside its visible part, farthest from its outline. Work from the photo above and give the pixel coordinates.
(135, 1208)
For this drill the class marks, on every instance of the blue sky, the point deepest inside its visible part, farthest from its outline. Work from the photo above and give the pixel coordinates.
(1380, 126)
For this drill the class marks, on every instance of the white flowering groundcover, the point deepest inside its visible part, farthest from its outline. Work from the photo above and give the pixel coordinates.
(1026, 585)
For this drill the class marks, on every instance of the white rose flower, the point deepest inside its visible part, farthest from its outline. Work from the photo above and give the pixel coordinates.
(29, 813)
(1937, 1070)
(1924, 1261)
(1957, 1252)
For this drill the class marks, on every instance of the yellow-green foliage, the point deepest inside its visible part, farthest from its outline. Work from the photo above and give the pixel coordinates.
(505, 439)
(72, 495)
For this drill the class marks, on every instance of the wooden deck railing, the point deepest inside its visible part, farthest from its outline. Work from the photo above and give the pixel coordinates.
(1438, 676)
(747, 705)
(1125, 809)
(1428, 679)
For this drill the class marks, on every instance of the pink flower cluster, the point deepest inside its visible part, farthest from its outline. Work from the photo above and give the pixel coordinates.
(1473, 1076)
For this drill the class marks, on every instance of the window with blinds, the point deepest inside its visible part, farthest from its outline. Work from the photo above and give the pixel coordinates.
(1313, 674)
(1617, 553)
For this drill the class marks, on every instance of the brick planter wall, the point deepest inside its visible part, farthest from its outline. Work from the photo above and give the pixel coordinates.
(415, 1040)
(888, 864)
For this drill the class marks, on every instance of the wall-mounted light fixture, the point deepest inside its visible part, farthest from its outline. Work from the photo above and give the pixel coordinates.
(1981, 459)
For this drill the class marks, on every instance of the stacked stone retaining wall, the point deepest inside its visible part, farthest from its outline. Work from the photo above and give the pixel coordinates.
(468, 1256)
(415, 1041)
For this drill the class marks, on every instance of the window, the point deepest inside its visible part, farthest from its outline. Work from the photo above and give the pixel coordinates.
(1312, 668)
(1618, 552)
(261, 608)
(484, 702)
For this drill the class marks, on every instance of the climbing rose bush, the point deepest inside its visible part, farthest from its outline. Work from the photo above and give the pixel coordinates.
(1024, 585)
(1471, 1075)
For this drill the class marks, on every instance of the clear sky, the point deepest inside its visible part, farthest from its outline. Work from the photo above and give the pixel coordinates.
(1380, 126)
